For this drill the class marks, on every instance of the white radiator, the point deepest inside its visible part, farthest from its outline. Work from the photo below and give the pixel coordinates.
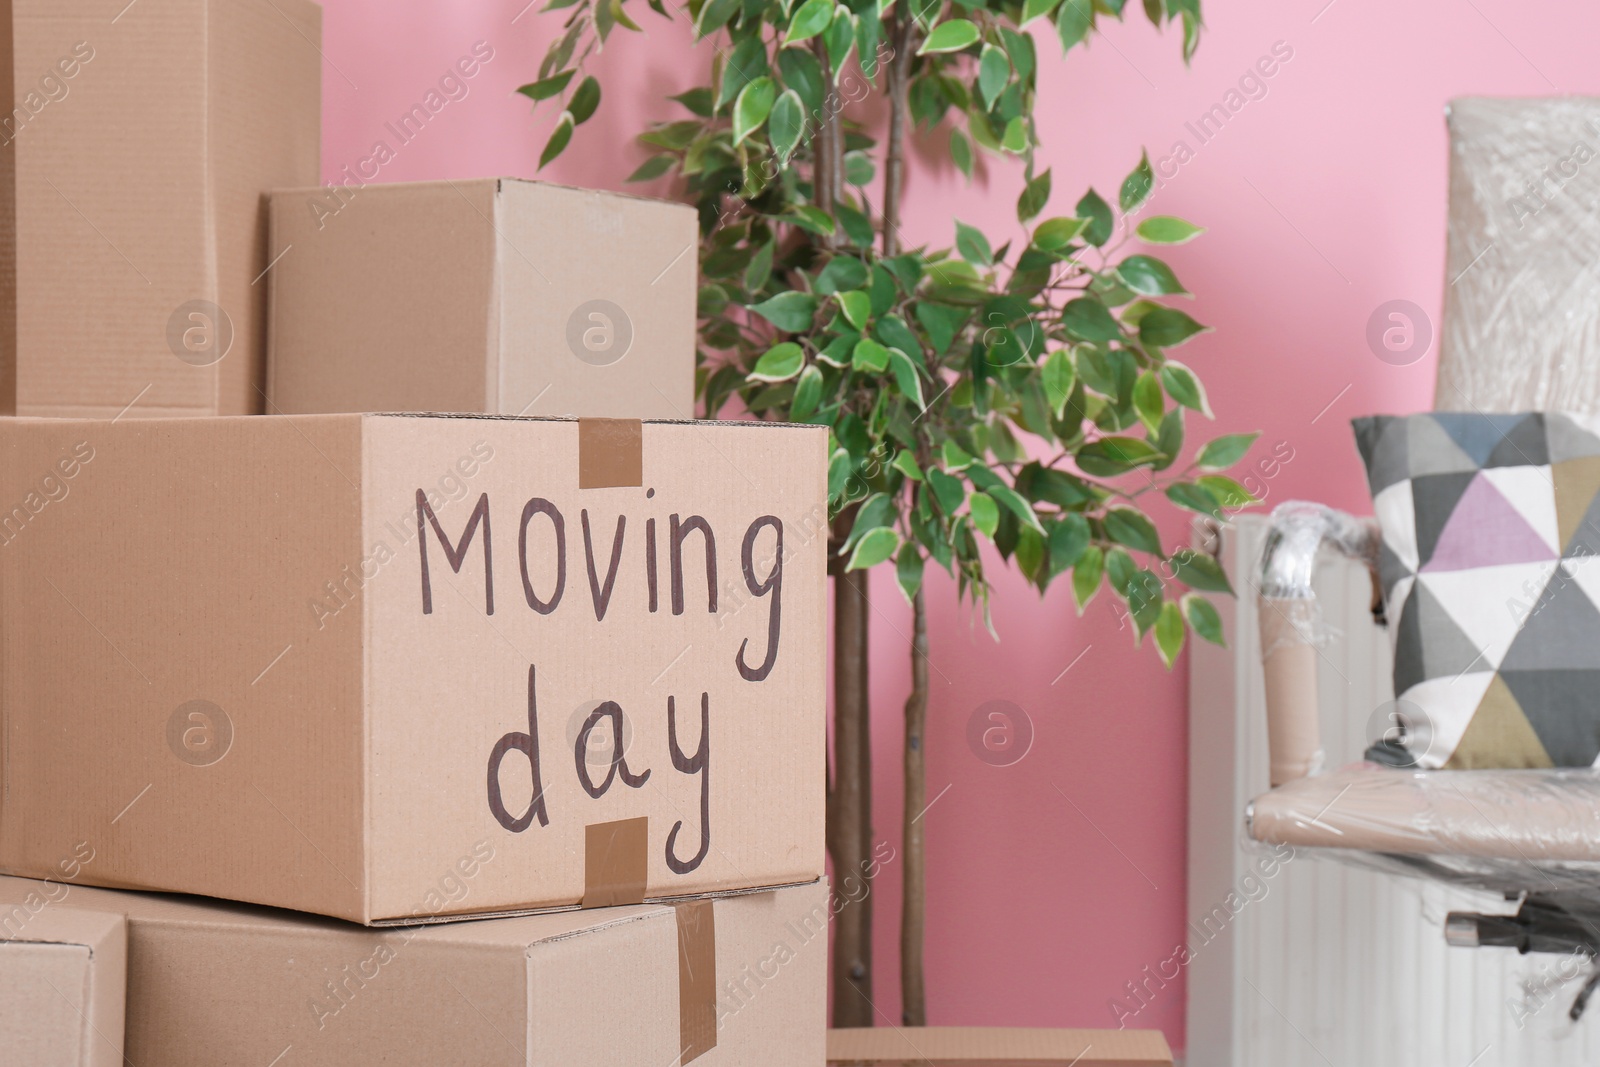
(1319, 964)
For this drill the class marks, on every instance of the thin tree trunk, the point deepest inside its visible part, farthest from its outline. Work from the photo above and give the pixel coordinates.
(913, 1001)
(913, 1005)
(850, 804)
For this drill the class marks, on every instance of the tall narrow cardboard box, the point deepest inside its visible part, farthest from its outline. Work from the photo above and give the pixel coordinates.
(136, 143)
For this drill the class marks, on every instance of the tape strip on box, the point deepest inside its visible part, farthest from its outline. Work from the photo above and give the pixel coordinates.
(616, 863)
(610, 453)
(697, 978)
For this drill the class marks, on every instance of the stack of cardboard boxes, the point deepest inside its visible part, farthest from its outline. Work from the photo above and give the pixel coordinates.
(491, 739)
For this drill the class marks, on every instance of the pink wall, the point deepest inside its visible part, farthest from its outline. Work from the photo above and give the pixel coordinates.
(1056, 880)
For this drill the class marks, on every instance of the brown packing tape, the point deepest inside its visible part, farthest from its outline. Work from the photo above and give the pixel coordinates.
(615, 862)
(697, 979)
(610, 453)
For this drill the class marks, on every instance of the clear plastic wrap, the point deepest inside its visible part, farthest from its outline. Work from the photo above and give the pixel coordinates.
(1510, 831)
(1521, 328)
(1292, 628)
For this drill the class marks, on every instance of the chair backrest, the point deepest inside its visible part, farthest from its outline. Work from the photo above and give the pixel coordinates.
(1521, 329)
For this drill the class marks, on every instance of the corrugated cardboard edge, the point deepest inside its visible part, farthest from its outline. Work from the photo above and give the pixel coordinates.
(610, 453)
(616, 862)
(105, 935)
(697, 979)
(474, 916)
(955, 1046)
(8, 217)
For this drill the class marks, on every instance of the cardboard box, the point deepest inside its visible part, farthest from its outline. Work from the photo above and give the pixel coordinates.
(136, 141)
(726, 983)
(328, 662)
(62, 983)
(988, 1046)
(498, 296)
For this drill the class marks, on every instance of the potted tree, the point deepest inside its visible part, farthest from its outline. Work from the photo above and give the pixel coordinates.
(1021, 397)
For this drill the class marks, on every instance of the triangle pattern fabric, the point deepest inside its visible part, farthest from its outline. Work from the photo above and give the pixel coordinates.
(1577, 481)
(1567, 439)
(1382, 441)
(1484, 529)
(1560, 706)
(1490, 604)
(1430, 450)
(1531, 492)
(1399, 522)
(1498, 735)
(1433, 499)
(1522, 446)
(1561, 630)
(1430, 643)
(1478, 434)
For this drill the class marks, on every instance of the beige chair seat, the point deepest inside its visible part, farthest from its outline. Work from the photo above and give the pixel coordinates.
(1542, 821)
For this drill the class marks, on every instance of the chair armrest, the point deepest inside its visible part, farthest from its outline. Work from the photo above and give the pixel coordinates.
(1292, 628)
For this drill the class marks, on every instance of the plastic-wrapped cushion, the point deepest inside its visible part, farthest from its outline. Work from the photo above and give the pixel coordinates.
(1521, 325)
(1506, 830)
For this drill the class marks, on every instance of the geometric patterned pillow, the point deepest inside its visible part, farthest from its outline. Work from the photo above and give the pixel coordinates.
(1490, 566)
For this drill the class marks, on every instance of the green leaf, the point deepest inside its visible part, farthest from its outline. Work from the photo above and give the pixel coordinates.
(1167, 230)
(807, 394)
(1184, 387)
(753, 106)
(780, 363)
(785, 124)
(1170, 632)
(1101, 222)
(877, 510)
(893, 331)
(961, 152)
(840, 467)
(1164, 327)
(811, 219)
(994, 71)
(1150, 276)
(1196, 498)
(545, 88)
(1111, 456)
(942, 323)
(1016, 136)
(1073, 22)
(1032, 9)
(985, 513)
(905, 376)
(558, 139)
(760, 268)
(857, 307)
(1203, 618)
(1035, 195)
(1086, 575)
(869, 356)
(714, 14)
(839, 38)
(652, 168)
(802, 73)
(584, 100)
(1131, 527)
(1137, 186)
(906, 464)
(1015, 503)
(1228, 493)
(746, 63)
(1149, 401)
(947, 490)
(1068, 539)
(1224, 452)
(813, 17)
(1056, 233)
(791, 311)
(952, 35)
(859, 169)
(1059, 376)
(1199, 571)
(1121, 570)
(973, 245)
(874, 548)
(698, 100)
(841, 273)
(908, 566)
(1088, 320)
